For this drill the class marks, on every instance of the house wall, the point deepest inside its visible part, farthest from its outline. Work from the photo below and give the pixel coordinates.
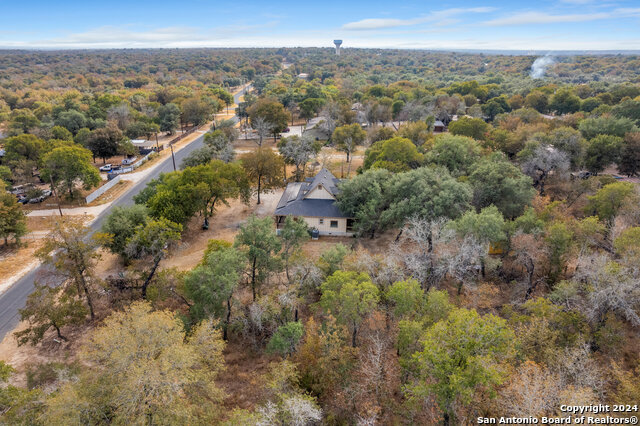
(325, 228)
(319, 194)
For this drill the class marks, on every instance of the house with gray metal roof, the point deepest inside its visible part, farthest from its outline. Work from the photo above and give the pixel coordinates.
(314, 201)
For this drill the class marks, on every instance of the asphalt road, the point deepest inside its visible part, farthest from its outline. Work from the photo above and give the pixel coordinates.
(15, 297)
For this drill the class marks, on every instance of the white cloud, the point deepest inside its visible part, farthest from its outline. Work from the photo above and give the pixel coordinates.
(544, 18)
(437, 16)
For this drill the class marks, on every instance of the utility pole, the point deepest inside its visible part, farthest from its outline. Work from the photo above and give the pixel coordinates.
(55, 193)
(173, 158)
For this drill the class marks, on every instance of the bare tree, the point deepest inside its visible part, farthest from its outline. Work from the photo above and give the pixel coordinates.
(545, 162)
(529, 251)
(262, 127)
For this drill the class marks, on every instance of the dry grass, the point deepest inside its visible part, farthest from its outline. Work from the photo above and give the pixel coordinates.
(112, 194)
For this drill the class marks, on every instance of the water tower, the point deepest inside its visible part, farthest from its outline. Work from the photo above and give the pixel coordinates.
(338, 43)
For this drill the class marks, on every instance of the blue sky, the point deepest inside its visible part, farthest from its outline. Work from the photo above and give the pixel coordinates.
(502, 25)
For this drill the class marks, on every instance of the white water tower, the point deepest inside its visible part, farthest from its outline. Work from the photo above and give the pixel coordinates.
(338, 43)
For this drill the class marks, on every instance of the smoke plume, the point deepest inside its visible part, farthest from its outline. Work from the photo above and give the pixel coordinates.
(540, 65)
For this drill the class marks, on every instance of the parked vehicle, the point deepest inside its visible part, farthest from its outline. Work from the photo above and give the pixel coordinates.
(23, 200)
(37, 200)
(129, 161)
(287, 130)
(106, 168)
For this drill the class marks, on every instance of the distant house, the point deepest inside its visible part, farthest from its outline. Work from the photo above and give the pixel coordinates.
(303, 76)
(314, 201)
(438, 127)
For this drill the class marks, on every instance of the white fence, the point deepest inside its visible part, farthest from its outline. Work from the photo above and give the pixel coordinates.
(104, 188)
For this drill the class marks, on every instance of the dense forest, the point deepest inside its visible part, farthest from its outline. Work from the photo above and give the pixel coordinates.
(493, 269)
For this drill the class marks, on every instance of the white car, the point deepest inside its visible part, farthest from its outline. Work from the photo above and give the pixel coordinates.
(106, 168)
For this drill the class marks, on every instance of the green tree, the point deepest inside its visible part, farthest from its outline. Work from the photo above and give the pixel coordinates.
(456, 153)
(475, 128)
(607, 202)
(564, 102)
(196, 111)
(169, 117)
(211, 285)
(264, 168)
(606, 125)
(104, 142)
(496, 181)
(71, 120)
(286, 339)
(395, 154)
(151, 243)
(67, 165)
(260, 244)
(365, 198)
(351, 297)
(293, 234)
(27, 147)
(121, 224)
(21, 120)
(427, 193)
(628, 243)
(12, 218)
(601, 151)
(559, 238)
(272, 112)
(462, 354)
(346, 138)
(407, 298)
(48, 307)
(629, 162)
(537, 100)
(61, 133)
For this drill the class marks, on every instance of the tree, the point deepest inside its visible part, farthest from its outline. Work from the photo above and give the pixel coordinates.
(196, 111)
(121, 225)
(543, 162)
(169, 117)
(310, 107)
(407, 298)
(71, 120)
(426, 192)
(46, 308)
(472, 127)
(262, 127)
(298, 151)
(352, 297)
(260, 245)
(365, 197)
(211, 285)
(151, 241)
(496, 181)
(395, 154)
(27, 147)
(565, 139)
(495, 106)
(606, 125)
(627, 244)
(73, 254)
(607, 202)
(564, 102)
(346, 138)
(156, 375)
(286, 339)
(293, 234)
(602, 150)
(272, 112)
(21, 120)
(537, 100)
(417, 132)
(461, 354)
(456, 153)
(67, 165)
(12, 218)
(104, 142)
(264, 168)
(629, 162)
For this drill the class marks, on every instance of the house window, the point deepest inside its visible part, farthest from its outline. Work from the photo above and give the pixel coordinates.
(321, 221)
(334, 224)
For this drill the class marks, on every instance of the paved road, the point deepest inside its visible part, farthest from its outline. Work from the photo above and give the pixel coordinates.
(14, 298)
